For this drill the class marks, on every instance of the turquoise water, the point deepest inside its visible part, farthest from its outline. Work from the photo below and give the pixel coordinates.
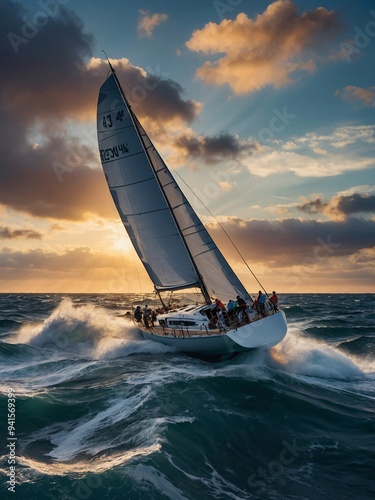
(102, 414)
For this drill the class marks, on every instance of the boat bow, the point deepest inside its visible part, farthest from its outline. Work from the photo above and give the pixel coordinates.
(265, 332)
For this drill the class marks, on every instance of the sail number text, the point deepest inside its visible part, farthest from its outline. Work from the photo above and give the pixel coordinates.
(115, 152)
(107, 119)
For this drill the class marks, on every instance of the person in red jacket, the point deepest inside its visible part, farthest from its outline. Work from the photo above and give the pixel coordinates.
(219, 304)
(274, 299)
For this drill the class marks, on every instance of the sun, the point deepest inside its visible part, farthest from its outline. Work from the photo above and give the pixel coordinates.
(123, 244)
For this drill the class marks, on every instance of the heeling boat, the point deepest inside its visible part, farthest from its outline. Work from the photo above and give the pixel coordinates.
(174, 246)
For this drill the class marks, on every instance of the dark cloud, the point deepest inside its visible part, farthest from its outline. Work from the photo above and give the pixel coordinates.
(213, 149)
(46, 78)
(53, 180)
(313, 206)
(11, 234)
(291, 241)
(48, 84)
(45, 83)
(356, 203)
(154, 96)
(341, 206)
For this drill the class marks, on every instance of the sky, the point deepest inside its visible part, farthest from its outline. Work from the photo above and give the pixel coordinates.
(264, 112)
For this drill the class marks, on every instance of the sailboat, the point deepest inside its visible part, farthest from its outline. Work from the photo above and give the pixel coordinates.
(175, 248)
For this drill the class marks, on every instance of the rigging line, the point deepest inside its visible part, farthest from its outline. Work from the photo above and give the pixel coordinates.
(135, 266)
(122, 255)
(223, 229)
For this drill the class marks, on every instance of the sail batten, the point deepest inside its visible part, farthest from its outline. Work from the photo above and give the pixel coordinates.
(158, 217)
(132, 183)
(144, 213)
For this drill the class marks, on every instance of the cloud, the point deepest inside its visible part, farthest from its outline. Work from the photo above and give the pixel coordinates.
(227, 186)
(148, 22)
(340, 137)
(42, 259)
(267, 50)
(311, 155)
(51, 83)
(154, 96)
(348, 148)
(341, 206)
(353, 93)
(45, 84)
(189, 146)
(78, 269)
(45, 78)
(11, 234)
(304, 165)
(289, 242)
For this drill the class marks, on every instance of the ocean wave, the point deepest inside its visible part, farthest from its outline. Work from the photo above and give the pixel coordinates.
(9, 324)
(361, 345)
(86, 330)
(307, 356)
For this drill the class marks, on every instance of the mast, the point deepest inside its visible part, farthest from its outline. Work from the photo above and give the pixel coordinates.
(202, 284)
(160, 297)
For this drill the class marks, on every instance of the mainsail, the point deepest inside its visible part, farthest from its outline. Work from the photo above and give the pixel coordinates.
(168, 236)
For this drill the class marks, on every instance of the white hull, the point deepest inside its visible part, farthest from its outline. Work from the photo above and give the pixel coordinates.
(263, 333)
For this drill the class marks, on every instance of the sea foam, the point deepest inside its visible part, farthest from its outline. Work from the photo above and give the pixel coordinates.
(86, 330)
(306, 356)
